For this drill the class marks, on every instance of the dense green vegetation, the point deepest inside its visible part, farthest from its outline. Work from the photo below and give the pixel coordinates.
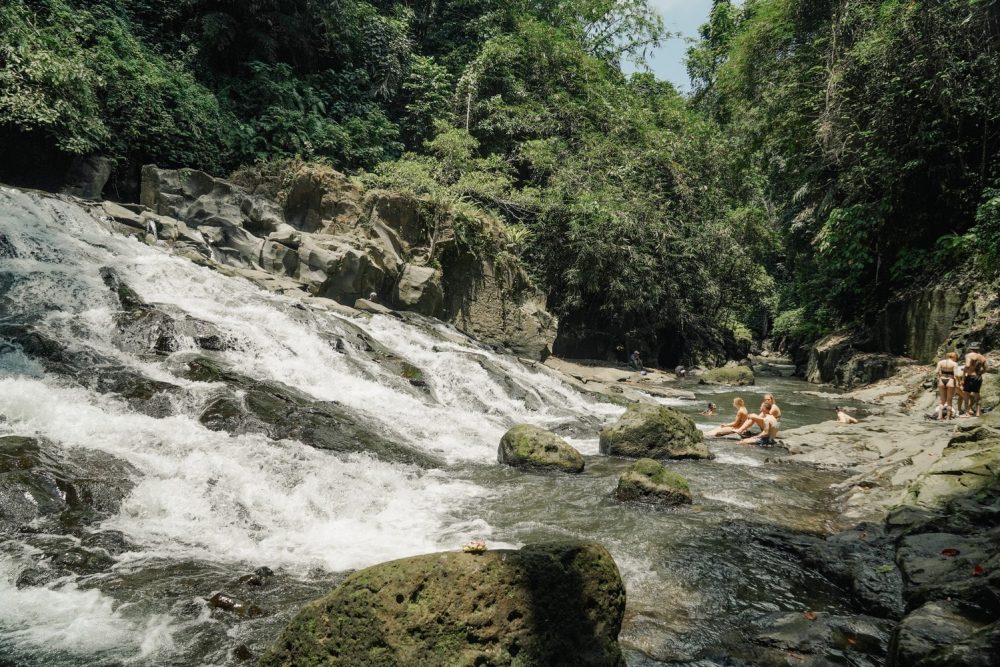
(872, 129)
(831, 153)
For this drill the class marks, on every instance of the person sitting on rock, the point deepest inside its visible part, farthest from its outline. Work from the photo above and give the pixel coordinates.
(741, 416)
(975, 366)
(767, 407)
(946, 383)
(709, 411)
(636, 362)
(680, 372)
(843, 417)
(768, 433)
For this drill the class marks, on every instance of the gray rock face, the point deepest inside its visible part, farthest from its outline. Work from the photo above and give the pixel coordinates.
(325, 235)
(557, 604)
(87, 176)
(656, 432)
(836, 360)
(526, 446)
(918, 326)
(419, 289)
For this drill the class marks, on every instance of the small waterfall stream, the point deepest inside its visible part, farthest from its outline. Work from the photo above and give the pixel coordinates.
(162, 505)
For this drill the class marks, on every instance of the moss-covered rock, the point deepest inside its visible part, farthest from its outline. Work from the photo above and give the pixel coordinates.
(653, 431)
(526, 446)
(737, 376)
(649, 481)
(550, 604)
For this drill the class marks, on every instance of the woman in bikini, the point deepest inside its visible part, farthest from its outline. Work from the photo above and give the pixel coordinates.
(741, 416)
(947, 383)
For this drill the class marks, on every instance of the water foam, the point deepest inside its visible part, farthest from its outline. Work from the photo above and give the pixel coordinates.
(206, 495)
(63, 618)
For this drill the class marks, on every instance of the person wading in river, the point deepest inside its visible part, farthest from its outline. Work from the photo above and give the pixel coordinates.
(946, 383)
(843, 417)
(975, 366)
(768, 407)
(741, 416)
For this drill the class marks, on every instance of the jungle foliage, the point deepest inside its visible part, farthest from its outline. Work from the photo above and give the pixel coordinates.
(873, 131)
(831, 152)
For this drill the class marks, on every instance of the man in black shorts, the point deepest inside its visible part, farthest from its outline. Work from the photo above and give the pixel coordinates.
(975, 366)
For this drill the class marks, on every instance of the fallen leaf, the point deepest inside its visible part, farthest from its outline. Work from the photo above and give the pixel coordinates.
(950, 553)
(810, 615)
(978, 571)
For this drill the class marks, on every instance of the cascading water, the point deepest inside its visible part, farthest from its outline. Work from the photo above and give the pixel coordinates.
(202, 503)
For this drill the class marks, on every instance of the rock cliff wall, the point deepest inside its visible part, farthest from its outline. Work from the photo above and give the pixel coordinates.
(324, 234)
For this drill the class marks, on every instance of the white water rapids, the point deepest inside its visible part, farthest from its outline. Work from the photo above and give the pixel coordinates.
(208, 495)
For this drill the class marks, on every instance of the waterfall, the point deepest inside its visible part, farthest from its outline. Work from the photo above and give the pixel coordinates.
(203, 494)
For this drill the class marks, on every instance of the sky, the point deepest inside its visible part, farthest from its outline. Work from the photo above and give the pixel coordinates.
(683, 16)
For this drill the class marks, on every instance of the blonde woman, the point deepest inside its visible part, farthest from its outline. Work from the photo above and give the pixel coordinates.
(947, 383)
(768, 408)
(741, 416)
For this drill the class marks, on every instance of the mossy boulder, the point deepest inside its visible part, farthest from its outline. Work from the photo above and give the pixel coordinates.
(526, 446)
(654, 431)
(737, 376)
(649, 481)
(549, 604)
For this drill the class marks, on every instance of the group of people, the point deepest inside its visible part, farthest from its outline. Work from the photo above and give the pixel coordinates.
(961, 379)
(766, 419)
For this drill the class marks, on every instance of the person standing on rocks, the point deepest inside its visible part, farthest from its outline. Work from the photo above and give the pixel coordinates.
(741, 416)
(975, 366)
(946, 383)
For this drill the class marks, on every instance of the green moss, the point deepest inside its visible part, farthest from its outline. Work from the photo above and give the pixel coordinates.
(731, 375)
(411, 372)
(659, 475)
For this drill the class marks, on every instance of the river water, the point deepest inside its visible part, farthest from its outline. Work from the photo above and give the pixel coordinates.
(203, 506)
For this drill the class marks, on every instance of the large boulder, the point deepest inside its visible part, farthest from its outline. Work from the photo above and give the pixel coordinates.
(648, 481)
(653, 431)
(526, 446)
(87, 176)
(548, 604)
(737, 376)
(419, 289)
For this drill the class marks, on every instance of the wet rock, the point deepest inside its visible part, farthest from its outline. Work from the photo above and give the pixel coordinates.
(737, 376)
(234, 605)
(113, 542)
(69, 488)
(251, 580)
(533, 448)
(548, 604)
(366, 306)
(648, 481)
(653, 431)
(282, 412)
(861, 560)
(242, 654)
(928, 630)
(821, 639)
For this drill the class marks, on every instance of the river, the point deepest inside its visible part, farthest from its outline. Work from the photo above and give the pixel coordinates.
(105, 396)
